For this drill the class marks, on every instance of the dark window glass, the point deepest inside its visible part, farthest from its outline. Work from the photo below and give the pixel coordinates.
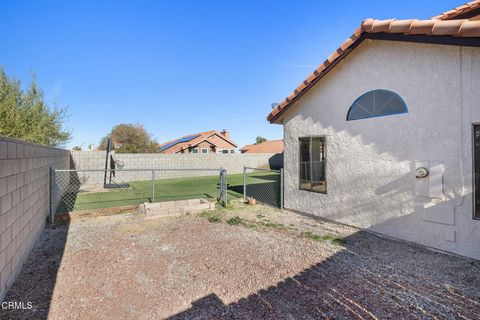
(376, 103)
(476, 170)
(312, 164)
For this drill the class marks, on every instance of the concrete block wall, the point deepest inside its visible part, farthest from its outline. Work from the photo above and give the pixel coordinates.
(233, 163)
(24, 201)
(88, 159)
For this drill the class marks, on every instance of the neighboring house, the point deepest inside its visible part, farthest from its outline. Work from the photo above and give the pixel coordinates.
(271, 146)
(398, 100)
(201, 143)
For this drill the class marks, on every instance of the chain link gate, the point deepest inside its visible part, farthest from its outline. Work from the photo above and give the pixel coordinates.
(122, 190)
(264, 185)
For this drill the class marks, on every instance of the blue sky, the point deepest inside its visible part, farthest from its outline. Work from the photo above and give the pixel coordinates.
(179, 67)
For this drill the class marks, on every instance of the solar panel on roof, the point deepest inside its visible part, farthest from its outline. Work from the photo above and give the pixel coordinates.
(168, 145)
(187, 138)
(181, 140)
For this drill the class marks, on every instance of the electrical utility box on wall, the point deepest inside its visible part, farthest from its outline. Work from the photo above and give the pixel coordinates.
(430, 186)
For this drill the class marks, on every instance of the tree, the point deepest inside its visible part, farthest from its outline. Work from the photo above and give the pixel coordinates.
(130, 138)
(260, 139)
(77, 148)
(26, 116)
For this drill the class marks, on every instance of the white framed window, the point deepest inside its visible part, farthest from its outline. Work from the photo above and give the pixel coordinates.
(312, 164)
(232, 150)
(204, 150)
(476, 171)
(195, 150)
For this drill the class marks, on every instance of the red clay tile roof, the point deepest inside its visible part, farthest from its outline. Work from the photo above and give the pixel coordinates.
(200, 137)
(462, 28)
(459, 11)
(271, 146)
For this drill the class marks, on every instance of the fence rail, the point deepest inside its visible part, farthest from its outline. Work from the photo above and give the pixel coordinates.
(125, 189)
(264, 185)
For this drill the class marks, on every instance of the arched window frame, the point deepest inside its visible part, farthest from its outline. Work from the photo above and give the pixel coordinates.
(394, 94)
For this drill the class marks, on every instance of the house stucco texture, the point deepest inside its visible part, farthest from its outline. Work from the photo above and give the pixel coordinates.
(371, 163)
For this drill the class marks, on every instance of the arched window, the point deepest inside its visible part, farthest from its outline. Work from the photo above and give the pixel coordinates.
(376, 103)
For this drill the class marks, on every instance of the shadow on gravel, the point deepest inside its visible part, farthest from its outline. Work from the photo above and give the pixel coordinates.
(381, 279)
(37, 279)
(370, 277)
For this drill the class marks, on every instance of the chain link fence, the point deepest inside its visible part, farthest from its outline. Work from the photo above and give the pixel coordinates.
(264, 185)
(122, 190)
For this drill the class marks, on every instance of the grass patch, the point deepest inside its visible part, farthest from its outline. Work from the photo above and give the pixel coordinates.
(312, 236)
(214, 219)
(334, 239)
(235, 221)
(212, 216)
(205, 187)
(274, 225)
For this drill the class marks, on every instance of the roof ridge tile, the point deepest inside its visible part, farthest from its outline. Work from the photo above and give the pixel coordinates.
(457, 11)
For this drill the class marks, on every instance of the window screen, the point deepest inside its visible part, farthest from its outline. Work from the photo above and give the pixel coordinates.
(376, 103)
(312, 164)
(476, 171)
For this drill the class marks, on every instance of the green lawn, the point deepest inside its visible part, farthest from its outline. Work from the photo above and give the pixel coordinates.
(165, 190)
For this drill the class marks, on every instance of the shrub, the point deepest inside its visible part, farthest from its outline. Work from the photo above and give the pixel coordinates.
(26, 115)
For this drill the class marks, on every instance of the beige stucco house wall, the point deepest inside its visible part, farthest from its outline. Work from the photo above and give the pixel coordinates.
(371, 163)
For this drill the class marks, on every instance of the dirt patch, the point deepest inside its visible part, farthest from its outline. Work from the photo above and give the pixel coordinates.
(247, 262)
(66, 217)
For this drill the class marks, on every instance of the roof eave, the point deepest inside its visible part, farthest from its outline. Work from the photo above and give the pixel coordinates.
(274, 119)
(275, 116)
(223, 138)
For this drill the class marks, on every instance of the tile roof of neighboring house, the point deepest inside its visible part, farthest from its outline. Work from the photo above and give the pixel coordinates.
(462, 28)
(271, 146)
(192, 140)
(459, 11)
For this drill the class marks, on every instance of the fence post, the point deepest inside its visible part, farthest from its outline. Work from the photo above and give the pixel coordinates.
(52, 208)
(153, 186)
(281, 189)
(244, 183)
(225, 187)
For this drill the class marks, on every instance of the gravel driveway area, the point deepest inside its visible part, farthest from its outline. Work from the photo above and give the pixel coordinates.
(241, 263)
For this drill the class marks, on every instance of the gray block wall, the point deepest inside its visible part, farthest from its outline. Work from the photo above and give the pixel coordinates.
(24, 201)
(168, 165)
(233, 163)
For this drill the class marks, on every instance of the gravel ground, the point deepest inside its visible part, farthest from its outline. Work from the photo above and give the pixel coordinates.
(263, 263)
